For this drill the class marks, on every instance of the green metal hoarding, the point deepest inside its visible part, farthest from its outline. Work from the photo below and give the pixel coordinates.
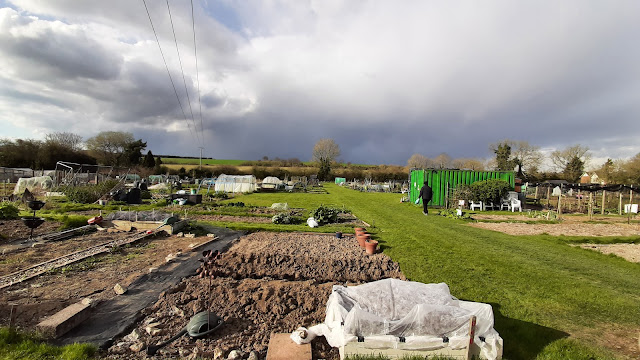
(441, 180)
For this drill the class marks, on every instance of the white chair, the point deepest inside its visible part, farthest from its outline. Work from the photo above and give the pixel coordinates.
(489, 205)
(516, 204)
(473, 204)
(505, 203)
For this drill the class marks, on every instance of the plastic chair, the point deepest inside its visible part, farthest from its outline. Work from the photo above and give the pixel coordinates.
(516, 204)
(473, 204)
(489, 205)
(505, 203)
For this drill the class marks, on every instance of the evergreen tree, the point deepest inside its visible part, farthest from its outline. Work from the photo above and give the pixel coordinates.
(149, 161)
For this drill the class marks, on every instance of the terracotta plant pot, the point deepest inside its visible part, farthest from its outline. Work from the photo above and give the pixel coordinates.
(371, 246)
(355, 230)
(362, 239)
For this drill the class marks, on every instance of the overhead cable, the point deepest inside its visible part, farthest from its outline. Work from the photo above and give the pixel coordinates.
(195, 51)
(167, 66)
(182, 70)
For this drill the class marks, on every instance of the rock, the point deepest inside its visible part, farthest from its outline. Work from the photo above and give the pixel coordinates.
(153, 270)
(37, 244)
(119, 289)
(253, 356)
(152, 329)
(170, 258)
(211, 235)
(88, 301)
(149, 320)
(133, 336)
(192, 245)
(190, 235)
(218, 353)
(234, 355)
(177, 311)
(180, 234)
(136, 347)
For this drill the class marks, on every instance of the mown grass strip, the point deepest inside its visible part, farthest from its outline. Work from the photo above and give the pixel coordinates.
(16, 345)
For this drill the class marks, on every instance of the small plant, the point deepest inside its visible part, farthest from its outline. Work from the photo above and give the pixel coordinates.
(8, 211)
(325, 214)
(282, 218)
(220, 195)
(453, 214)
(87, 194)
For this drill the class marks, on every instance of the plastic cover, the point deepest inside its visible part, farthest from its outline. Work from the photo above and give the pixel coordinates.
(422, 314)
(33, 183)
(236, 183)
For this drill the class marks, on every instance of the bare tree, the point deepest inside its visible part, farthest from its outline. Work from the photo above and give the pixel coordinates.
(562, 158)
(468, 164)
(65, 139)
(418, 161)
(442, 161)
(325, 151)
(526, 156)
(108, 146)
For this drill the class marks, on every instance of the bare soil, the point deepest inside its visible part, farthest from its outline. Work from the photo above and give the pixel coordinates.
(229, 218)
(94, 277)
(12, 230)
(266, 282)
(630, 252)
(568, 229)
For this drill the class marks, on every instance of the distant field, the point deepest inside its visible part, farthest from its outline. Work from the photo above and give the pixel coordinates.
(196, 161)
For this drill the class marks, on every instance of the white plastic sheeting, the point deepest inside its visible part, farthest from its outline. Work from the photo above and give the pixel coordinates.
(236, 183)
(422, 314)
(33, 183)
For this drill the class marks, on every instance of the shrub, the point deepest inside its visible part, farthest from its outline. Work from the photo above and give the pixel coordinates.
(489, 190)
(325, 214)
(87, 194)
(220, 195)
(8, 211)
(146, 194)
(282, 218)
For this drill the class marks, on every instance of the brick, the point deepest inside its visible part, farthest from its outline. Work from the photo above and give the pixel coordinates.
(64, 320)
(281, 347)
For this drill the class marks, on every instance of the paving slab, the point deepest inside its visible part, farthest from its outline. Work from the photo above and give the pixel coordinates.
(64, 320)
(116, 316)
(281, 347)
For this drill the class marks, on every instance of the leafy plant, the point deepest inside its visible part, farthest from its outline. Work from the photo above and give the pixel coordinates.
(87, 194)
(452, 214)
(282, 218)
(220, 195)
(325, 214)
(8, 211)
(489, 190)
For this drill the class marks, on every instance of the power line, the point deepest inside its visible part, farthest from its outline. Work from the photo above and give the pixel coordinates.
(175, 39)
(195, 51)
(167, 66)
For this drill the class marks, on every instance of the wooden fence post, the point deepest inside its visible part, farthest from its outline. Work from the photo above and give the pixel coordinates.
(620, 204)
(604, 198)
(548, 195)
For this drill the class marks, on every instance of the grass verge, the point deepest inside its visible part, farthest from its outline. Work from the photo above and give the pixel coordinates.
(17, 345)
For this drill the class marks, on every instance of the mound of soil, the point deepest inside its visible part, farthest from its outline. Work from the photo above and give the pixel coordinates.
(254, 293)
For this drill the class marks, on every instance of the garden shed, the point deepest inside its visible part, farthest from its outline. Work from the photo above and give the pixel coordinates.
(236, 183)
(442, 181)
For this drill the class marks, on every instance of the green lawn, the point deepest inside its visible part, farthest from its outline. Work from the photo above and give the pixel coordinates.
(542, 290)
(196, 161)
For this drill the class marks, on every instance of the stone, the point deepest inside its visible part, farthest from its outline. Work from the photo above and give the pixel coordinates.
(64, 320)
(218, 353)
(37, 244)
(180, 234)
(136, 347)
(177, 311)
(211, 235)
(192, 245)
(133, 336)
(152, 329)
(170, 258)
(153, 270)
(119, 289)
(253, 356)
(234, 355)
(88, 301)
(190, 235)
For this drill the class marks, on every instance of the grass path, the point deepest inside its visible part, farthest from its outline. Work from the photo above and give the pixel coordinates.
(541, 289)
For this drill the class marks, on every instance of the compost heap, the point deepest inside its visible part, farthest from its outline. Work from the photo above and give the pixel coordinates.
(390, 311)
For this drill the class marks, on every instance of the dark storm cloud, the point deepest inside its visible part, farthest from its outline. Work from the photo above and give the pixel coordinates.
(44, 52)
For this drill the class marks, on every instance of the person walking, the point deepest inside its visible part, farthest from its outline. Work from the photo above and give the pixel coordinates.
(426, 194)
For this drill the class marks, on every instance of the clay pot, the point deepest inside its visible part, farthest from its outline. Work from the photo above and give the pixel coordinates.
(371, 247)
(362, 239)
(358, 229)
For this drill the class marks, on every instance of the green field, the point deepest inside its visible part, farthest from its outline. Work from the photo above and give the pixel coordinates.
(550, 300)
(196, 161)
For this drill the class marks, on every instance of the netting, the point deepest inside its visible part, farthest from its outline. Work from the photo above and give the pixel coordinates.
(138, 216)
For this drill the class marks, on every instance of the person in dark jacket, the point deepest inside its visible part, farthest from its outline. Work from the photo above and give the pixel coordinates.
(426, 194)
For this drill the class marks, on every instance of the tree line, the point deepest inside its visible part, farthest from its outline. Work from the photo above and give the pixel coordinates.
(109, 148)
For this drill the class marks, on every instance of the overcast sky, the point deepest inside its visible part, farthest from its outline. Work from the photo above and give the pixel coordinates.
(384, 79)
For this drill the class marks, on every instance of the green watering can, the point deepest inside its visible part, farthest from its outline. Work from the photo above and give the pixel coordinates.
(200, 325)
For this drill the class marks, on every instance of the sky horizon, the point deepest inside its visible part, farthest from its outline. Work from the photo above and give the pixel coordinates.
(383, 79)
